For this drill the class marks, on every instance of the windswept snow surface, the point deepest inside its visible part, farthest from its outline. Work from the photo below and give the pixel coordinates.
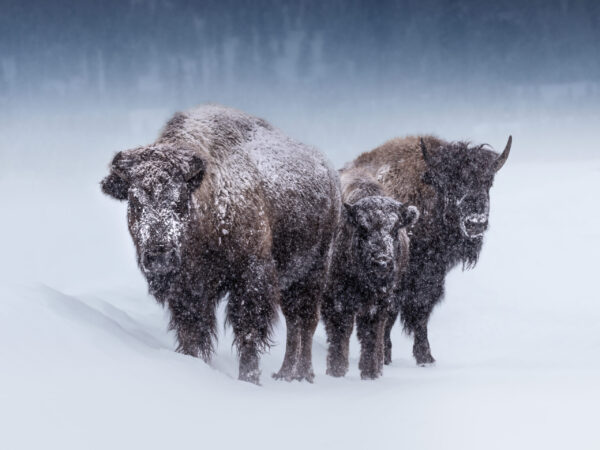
(86, 361)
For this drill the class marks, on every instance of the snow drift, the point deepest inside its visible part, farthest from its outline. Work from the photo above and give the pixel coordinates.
(86, 361)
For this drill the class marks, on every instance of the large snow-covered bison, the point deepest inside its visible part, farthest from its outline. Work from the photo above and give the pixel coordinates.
(369, 253)
(449, 182)
(223, 205)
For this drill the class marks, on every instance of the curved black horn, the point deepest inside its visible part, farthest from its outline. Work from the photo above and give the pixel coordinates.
(504, 156)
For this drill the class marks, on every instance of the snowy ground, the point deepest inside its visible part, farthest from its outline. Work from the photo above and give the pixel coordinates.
(86, 361)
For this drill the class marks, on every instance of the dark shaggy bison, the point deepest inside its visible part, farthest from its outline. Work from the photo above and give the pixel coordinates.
(449, 182)
(223, 204)
(370, 251)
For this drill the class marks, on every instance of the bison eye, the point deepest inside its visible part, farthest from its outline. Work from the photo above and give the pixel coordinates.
(180, 206)
(362, 229)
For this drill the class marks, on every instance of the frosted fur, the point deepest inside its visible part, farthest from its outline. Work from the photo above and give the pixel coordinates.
(370, 252)
(449, 182)
(224, 205)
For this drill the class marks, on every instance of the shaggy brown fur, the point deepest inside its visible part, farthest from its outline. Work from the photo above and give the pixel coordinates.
(370, 252)
(224, 205)
(449, 183)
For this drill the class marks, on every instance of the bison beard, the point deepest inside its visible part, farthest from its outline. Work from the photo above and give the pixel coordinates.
(224, 206)
(449, 183)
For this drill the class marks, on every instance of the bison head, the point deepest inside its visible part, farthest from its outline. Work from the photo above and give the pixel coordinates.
(157, 184)
(377, 221)
(462, 176)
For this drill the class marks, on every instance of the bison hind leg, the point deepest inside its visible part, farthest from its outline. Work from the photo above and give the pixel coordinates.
(300, 307)
(292, 349)
(251, 311)
(304, 370)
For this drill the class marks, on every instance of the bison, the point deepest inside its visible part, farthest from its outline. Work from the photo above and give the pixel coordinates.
(369, 253)
(449, 182)
(225, 206)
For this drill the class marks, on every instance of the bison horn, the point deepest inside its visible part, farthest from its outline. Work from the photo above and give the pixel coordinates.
(504, 156)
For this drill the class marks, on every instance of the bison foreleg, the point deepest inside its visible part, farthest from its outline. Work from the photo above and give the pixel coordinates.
(421, 348)
(370, 331)
(415, 319)
(389, 324)
(338, 325)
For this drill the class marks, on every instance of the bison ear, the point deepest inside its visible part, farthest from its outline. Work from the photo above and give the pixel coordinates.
(123, 162)
(350, 213)
(116, 184)
(194, 172)
(408, 215)
(191, 165)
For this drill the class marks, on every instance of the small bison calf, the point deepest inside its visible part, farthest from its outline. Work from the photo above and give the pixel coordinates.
(369, 254)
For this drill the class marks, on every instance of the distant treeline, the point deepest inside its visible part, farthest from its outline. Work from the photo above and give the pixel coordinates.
(61, 49)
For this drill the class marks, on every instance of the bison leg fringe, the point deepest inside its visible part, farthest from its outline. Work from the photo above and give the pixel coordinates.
(195, 328)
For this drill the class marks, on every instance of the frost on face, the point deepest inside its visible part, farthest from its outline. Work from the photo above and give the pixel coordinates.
(158, 211)
(463, 176)
(470, 209)
(155, 220)
(376, 221)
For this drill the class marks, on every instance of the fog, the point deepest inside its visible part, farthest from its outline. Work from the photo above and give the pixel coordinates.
(79, 80)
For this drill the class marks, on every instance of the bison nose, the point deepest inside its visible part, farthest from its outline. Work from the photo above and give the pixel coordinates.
(477, 219)
(381, 259)
(159, 260)
(475, 224)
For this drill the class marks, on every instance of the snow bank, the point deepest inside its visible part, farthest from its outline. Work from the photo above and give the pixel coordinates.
(86, 361)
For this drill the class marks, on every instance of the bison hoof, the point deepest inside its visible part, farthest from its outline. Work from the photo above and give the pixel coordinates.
(283, 375)
(291, 376)
(425, 360)
(250, 377)
(308, 376)
(369, 376)
(336, 372)
(387, 360)
(188, 351)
